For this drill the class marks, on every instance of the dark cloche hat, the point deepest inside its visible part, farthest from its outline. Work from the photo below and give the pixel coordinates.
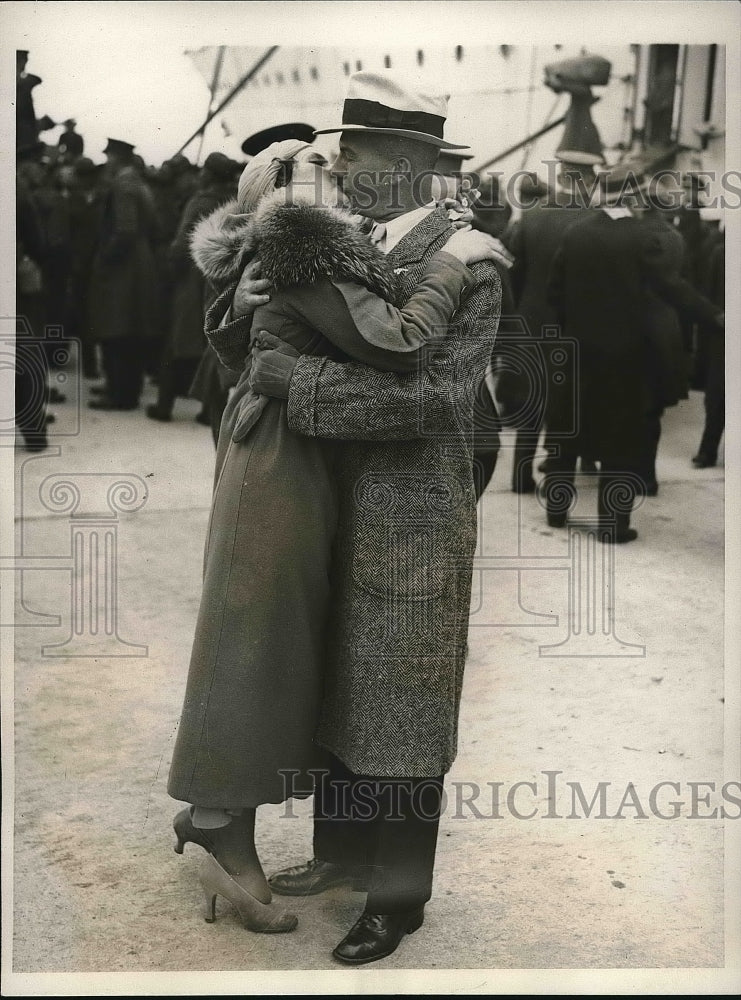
(255, 144)
(219, 165)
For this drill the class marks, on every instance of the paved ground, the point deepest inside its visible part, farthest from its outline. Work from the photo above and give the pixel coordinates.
(97, 885)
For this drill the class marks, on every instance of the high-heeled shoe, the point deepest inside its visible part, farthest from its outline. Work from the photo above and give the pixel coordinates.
(186, 833)
(262, 918)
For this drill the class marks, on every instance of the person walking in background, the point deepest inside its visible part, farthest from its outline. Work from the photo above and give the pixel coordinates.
(31, 367)
(70, 144)
(533, 241)
(666, 357)
(124, 306)
(714, 285)
(602, 275)
(86, 207)
(186, 340)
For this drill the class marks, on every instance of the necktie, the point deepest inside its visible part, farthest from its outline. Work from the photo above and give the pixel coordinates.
(378, 233)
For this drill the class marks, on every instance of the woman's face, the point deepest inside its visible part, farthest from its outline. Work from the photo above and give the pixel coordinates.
(311, 179)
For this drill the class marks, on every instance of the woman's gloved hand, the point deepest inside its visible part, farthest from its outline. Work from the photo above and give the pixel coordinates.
(251, 291)
(273, 361)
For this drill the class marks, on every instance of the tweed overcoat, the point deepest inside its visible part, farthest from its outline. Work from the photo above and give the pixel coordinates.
(407, 532)
(257, 667)
(401, 583)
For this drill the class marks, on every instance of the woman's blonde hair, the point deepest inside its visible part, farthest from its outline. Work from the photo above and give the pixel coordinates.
(259, 176)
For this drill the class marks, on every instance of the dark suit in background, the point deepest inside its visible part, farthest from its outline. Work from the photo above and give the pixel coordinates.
(534, 240)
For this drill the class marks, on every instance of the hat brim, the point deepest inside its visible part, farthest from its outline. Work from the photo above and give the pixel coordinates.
(614, 197)
(579, 158)
(431, 140)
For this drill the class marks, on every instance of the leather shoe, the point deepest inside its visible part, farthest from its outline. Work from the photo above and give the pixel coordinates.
(528, 486)
(377, 935)
(703, 462)
(106, 403)
(186, 833)
(314, 877)
(155, 412)
(556, 520)
(610, 536)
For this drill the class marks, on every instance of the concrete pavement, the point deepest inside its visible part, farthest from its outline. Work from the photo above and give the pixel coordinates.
(97, 885)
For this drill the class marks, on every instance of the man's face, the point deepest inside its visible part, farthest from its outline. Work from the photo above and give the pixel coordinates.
(362, 171)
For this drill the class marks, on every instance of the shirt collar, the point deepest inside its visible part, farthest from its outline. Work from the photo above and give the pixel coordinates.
(397, 229)
(617, 212)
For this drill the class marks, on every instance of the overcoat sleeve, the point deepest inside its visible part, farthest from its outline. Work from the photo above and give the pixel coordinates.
(363, 325)
(230, 339)
(674, 289)
(354, 402)
(368, 329)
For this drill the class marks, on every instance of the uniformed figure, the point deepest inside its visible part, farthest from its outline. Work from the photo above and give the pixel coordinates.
(533, 241)
(603, 274)
(123, 290)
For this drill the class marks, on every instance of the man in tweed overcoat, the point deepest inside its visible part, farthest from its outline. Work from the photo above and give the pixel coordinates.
(406, 538)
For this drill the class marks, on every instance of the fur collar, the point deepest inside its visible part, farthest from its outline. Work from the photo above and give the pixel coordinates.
(297, 244)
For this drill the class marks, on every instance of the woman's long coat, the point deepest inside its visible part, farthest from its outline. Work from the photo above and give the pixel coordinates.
(272, 577)
(402, 572)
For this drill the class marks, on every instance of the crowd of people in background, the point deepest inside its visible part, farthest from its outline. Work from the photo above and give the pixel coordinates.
(103, 253)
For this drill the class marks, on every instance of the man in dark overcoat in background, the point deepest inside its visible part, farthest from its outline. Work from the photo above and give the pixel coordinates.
(713, 279)
(533, 240)
(88, 196)
(31, 365)
(124, 310)
(599, 283)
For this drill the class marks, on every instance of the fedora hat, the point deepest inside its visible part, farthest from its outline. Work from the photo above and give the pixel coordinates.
(382, 102)
(623, 180)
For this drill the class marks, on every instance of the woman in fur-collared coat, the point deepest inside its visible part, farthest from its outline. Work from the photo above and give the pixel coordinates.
(255, 681)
